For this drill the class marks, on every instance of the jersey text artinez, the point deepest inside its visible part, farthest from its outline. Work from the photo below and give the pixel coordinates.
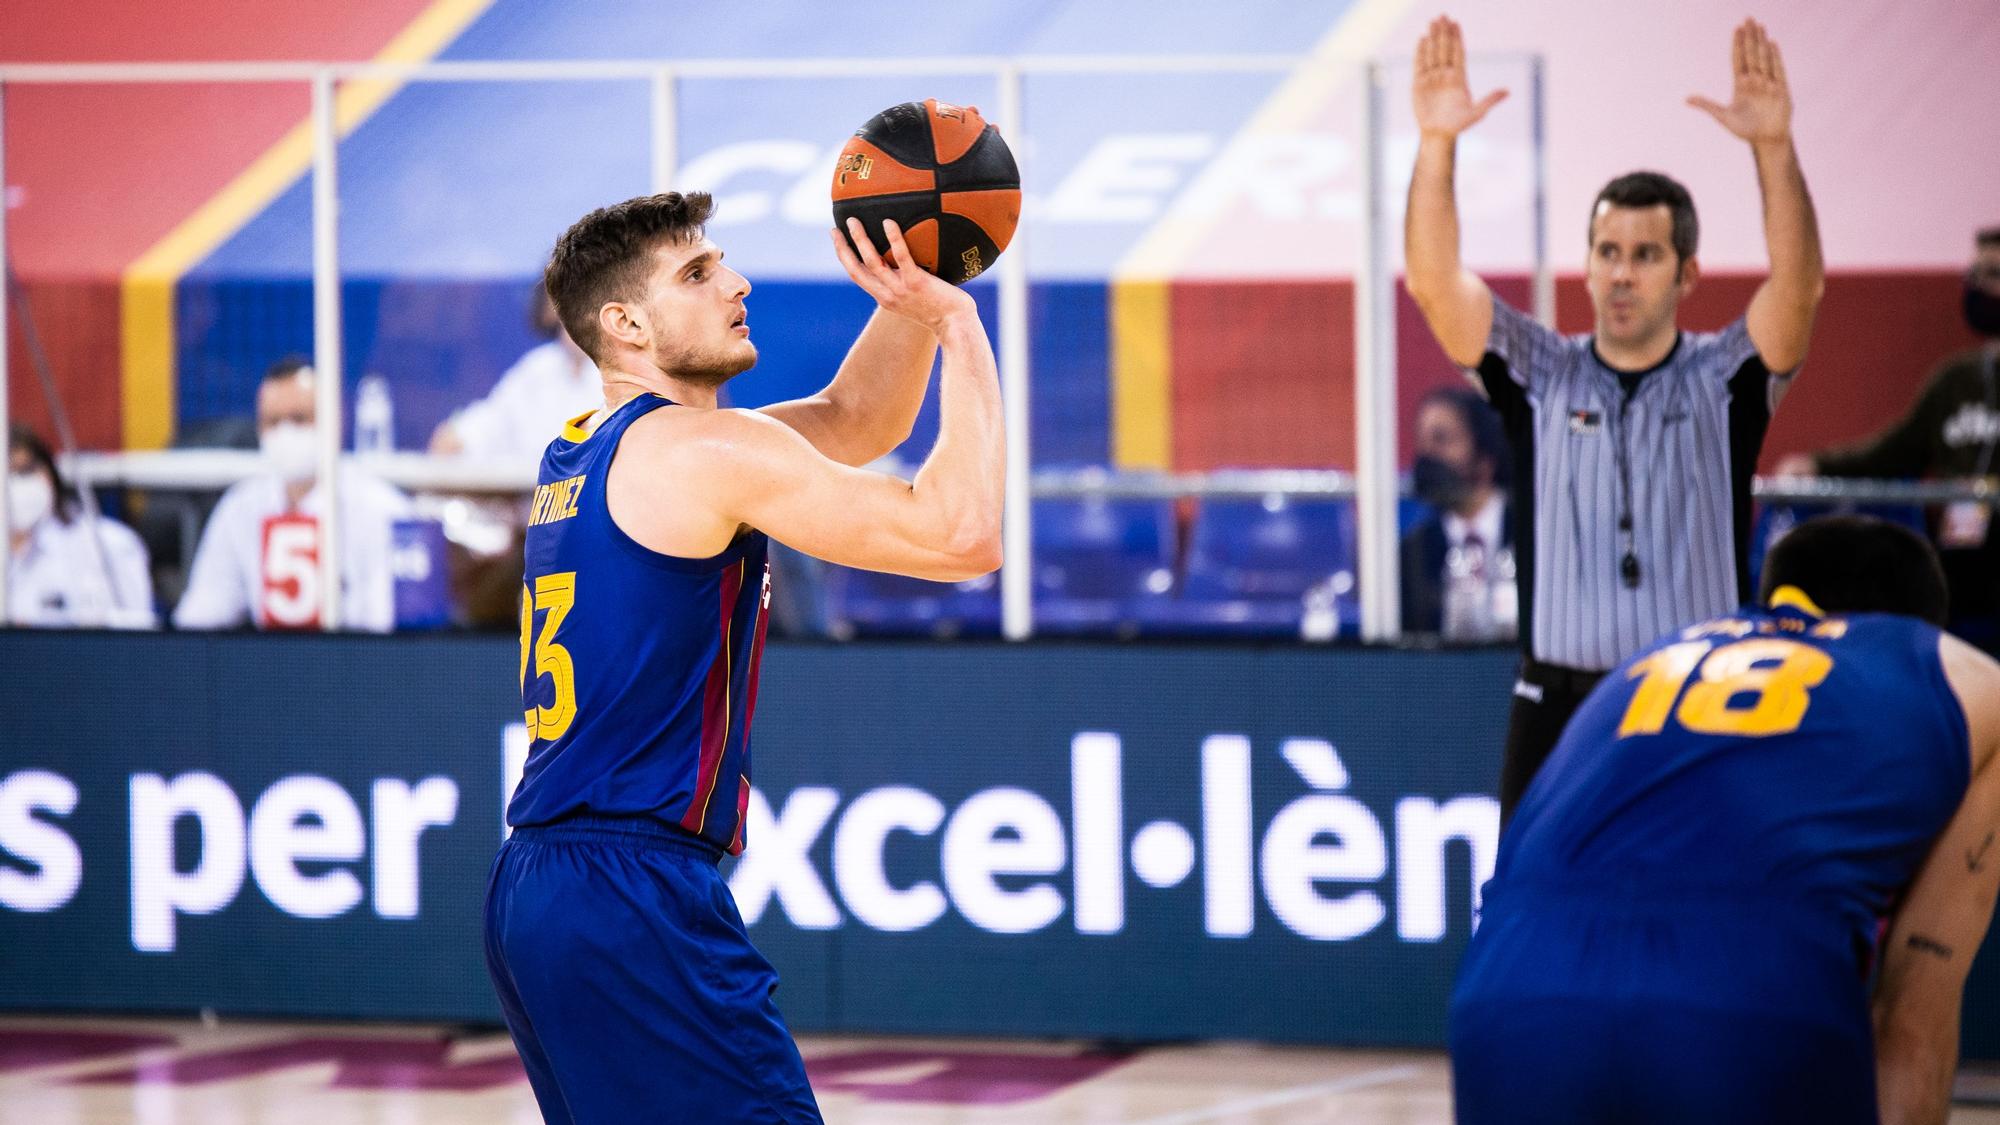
(555, 501)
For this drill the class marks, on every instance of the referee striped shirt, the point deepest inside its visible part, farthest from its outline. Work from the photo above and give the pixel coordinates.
(1655, 465)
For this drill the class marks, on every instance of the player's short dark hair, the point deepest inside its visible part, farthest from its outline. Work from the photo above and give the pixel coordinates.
(1989, 236)
(1859, 564)
(1651, 189)
(286, 368)
(1489, 435)
(607, 255)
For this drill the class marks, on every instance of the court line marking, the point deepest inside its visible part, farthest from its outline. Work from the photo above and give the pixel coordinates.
(1362, 1081)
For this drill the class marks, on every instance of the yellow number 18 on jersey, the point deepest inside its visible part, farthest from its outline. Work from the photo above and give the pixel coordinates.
(1753, 688)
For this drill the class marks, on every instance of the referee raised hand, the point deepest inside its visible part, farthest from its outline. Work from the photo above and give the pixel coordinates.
(1634, 445)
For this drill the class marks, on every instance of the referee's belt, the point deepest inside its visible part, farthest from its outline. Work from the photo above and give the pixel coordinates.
(1577, 681)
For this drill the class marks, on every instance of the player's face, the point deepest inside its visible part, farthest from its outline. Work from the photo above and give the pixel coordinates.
(701, 325)
(285, 400)
(1636, 280)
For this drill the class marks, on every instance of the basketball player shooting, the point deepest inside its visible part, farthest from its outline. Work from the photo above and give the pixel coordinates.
(622, 966)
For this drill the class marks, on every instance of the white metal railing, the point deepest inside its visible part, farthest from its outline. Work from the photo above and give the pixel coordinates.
(204, 470)
(1375, 371)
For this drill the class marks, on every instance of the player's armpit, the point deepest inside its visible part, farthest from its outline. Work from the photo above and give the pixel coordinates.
(696, 479)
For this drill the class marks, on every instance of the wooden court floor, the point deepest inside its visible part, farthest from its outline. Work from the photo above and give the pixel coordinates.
(162, 1072)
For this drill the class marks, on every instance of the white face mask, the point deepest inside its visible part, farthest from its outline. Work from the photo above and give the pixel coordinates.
(30, 497)
(292, 450)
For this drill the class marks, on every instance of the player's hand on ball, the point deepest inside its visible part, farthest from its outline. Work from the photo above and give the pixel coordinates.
(1440, 93)
(897, 283)
(1760, 104)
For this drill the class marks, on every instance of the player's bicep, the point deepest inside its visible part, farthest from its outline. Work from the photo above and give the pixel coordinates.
(826, 425)
(777, 482)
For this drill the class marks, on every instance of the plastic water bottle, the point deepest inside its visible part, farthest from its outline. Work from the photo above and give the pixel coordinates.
(374, 416)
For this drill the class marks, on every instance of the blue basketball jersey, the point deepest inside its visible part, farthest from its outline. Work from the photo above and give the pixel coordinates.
(1791, 764)
(638, 669)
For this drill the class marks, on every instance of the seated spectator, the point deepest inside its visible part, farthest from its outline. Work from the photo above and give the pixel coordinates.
(1951, 430)
(70, 566)
(548, 385)
(258, 561)
(1457, 564)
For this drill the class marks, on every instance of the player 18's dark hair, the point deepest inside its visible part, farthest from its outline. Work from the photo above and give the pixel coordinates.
(42, 457)
(1489, 435)
(1859, 564)
(607, 255)
(1651, 189)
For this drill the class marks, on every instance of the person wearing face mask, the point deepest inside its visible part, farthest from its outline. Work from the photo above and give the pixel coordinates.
(57, 577)
(1462, 472)
(258, 561)
(1951, 430)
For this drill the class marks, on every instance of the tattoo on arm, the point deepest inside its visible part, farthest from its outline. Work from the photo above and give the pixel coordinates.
(1930, 945)
(1975, 858)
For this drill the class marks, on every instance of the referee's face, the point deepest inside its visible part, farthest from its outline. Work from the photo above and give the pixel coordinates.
(1636, 280)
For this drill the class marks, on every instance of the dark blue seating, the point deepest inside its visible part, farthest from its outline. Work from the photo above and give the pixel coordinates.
(1252, 565)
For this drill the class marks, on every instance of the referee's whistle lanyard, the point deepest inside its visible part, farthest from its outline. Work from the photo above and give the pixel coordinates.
(1628, 560)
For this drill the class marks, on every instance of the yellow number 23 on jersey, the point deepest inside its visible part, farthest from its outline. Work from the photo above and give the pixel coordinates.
(553, 594)
(1753, 688)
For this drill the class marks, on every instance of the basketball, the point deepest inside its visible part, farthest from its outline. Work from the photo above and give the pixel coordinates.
(943, 174)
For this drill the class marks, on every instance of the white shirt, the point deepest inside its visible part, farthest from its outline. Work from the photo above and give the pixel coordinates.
(526, 409)
(1486, 522)
(227, 586)
(58, 580)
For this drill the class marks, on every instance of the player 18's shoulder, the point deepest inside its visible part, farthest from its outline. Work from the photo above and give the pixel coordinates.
(1975, 679)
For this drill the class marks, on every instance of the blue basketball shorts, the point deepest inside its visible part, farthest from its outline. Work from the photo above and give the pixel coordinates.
(630, 988)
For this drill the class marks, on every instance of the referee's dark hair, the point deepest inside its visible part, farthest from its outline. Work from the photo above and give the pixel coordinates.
(1859, 564)
(1651, 189)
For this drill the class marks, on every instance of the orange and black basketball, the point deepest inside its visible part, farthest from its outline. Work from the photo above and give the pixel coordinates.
(943, 174)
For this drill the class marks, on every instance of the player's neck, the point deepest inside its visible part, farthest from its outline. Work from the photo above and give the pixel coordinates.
(295, 491)
(625, 384)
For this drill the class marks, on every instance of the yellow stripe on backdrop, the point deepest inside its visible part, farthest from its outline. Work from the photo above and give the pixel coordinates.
(146, 306)
(1142, 362)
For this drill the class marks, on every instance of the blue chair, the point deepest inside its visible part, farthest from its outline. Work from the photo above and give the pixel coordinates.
(1254, 564)
(865, 603)
(1100, 564)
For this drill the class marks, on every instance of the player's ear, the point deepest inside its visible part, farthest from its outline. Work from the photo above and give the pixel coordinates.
(623, 323)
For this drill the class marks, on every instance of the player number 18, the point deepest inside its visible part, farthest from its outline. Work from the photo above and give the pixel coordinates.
(1756, 687)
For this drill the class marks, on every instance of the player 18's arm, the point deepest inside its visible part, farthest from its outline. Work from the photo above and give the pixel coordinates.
(1454, 301)
(1760, 113)
(1942, 920)
(731, 469)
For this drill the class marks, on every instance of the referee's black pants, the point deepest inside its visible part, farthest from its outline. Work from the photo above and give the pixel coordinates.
(1545, 696)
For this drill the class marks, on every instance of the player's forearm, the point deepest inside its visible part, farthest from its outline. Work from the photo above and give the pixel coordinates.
(880, 385)
(1913, 1079)
(1791, 227)
(962, 485)
(1430, 223)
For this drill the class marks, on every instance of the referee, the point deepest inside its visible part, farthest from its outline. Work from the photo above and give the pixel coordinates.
(1633, 446)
